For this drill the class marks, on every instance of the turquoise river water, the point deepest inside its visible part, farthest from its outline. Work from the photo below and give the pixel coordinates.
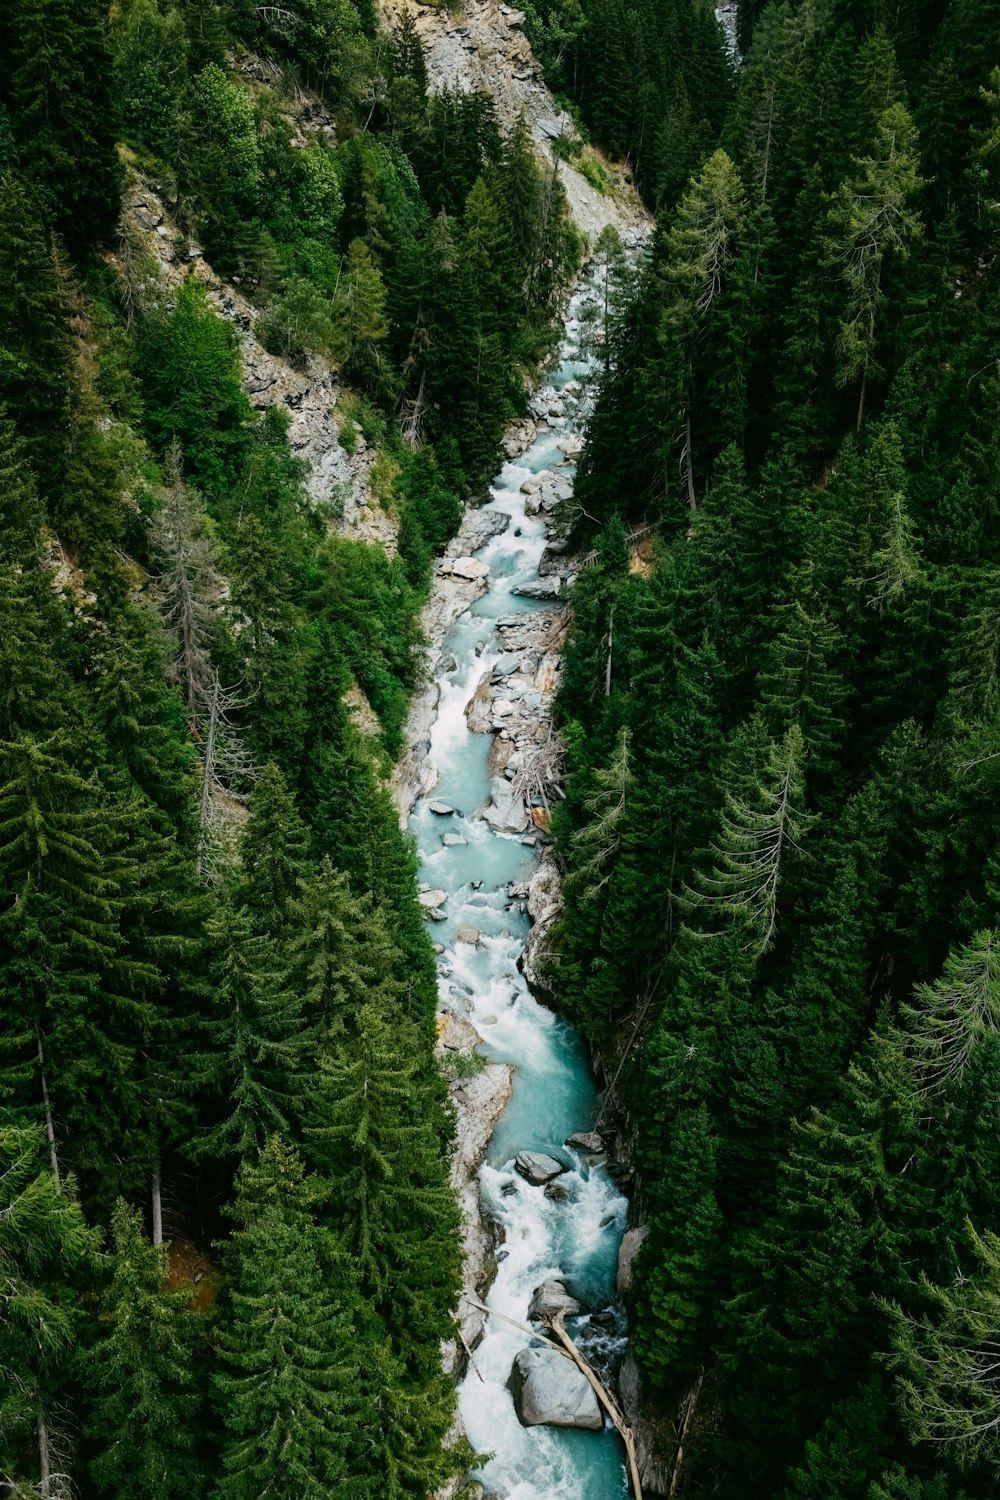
(554, 1093)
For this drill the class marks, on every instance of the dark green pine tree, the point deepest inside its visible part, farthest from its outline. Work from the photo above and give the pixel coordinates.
(47, 1260)
(251, 1053)
(35, 351)
(373, 1135)
(63, 111)
(679, 1279)
(287, 1391)
(275, 853)
(338, 955)
(142, 1377)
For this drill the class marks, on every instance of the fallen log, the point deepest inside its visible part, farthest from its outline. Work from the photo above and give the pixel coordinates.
(568, 1350)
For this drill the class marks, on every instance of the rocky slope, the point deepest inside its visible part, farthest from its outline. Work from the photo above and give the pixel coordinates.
(485, 48)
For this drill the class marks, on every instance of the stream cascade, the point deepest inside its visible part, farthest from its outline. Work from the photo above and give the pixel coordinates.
(479, 852)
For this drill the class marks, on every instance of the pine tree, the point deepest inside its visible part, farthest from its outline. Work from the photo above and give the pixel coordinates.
(253, 1047)
(759, 830)
(64, 117)
(47, 1256)
(142, 1375)
(275, 851)
(35, 351)
(946, 1020)
(288, 1383)
(945, 1359)
(373, 1134)
(871, 220)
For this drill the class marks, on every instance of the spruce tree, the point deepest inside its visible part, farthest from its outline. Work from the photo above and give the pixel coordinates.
(62, 104)
(142, 1376)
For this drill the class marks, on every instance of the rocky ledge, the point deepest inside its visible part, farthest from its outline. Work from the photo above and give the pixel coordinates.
(479, 1099)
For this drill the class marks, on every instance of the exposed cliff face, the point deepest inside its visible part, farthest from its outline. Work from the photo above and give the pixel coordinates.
(486, 49)
(154, 259)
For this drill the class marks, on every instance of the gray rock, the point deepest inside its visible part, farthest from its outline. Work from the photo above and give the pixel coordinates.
(586, 1140)
(432, 898)
(470, 568)
(506, 810)
(627, 1252)
(538, 1168)
(467, 935)
(549, 1391)
(551, 1298)
(437, 915)
(558, 1192)
(441, 809)
(538, 588)
(452, 839)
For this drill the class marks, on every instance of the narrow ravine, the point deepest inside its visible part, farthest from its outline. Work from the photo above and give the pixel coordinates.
(476, 870)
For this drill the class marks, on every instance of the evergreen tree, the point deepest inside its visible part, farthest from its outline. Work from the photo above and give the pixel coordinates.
(63, 114)
(286, 1341)
(147, 1405)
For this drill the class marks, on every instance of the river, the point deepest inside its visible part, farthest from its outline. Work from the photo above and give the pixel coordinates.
(573, 1236)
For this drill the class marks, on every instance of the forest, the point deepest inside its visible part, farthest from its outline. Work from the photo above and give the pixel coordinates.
(780, 707)
(228, 1248)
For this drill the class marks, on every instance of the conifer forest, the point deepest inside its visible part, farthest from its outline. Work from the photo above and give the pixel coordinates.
(231, 1246)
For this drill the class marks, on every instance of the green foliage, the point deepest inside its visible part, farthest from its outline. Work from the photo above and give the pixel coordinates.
(148, 1403)
(787, 949)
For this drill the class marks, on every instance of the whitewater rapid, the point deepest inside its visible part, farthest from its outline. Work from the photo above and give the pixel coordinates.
(575, 1240)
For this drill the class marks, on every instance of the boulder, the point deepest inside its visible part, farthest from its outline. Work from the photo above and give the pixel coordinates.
(479, 710)
(538, 588)
(506, 810)
(550, 1391)
(586, 1140)
(450, 840)
(537, 1168)
(627, 1252)
(430, 899)
(551, 1298)
(441, 809)
(468, 935)
(558, 1192)
(470, 568)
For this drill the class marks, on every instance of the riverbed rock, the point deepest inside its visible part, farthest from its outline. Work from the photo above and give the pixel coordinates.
(627, 1252)
(468, 935)
(544, 905)
(441, 809)
(538, 1168)
(470, 568)
(432, 898)
(549, 1391)
(452, 840)
(479, 709)
(456, 1033)
(479, 527)
(505, 810)
(519, 438)
(586, 1140)
(551, 1298)
(538, 588)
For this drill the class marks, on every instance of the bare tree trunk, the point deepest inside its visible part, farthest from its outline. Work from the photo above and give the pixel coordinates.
(44, 1464)
(207, 778)
(861, 400)
(49, 1127)
(157, 1205)
(611, 642)
(688, 1410)
(689, 462)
